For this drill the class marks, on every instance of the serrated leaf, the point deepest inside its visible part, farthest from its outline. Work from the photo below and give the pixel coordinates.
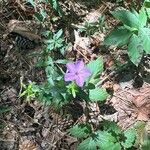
(144, 35)
(143, 17)
(106, 141)
(130, 135)
(80, 131)
(111, 126)
(126, 17)
(135, 49)
(118, 37)
(88, 144)
(98, 94)
(111, 146)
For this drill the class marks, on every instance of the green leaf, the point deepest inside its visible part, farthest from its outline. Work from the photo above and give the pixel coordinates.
(135, 49)
(62, 61)
(95, 66)
(50, 47)
(72, 89)
(143, 17)
(55, 6)
(111, 146)
(80, 131)
(126, 17)
(58, 34)
(147, 4)
(144, 35)
(130, 135)
(106, 141)
(88, 144)
(118, 37)
(111, 126)
(148, 11)
(98, 94)
(39, 16)
(32, 2)
(43, 13)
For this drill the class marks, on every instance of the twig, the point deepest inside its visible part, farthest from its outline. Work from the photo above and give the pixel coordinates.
(105, 78)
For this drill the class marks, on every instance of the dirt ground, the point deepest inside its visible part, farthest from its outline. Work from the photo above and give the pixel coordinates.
(31, 125)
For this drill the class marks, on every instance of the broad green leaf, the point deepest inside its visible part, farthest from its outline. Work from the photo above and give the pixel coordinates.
(144, 35)
(95, 66)
(134, 12)
(118, 37)
(111, 127)
(98, 94)
(126, 17)
(111, 146)
(88, 144)
(80, 131)
(143, 17)
(130, 135)
(106, 141)
(135, 49)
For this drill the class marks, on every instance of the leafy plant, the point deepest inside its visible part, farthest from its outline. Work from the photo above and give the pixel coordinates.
(110, 138)
(29, 91)
(55, 42)
(41, 15)
(134, 33)
(55, 6)
(60, 87)
(92, 27)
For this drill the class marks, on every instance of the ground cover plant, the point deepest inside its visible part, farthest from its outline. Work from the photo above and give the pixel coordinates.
(74, 75)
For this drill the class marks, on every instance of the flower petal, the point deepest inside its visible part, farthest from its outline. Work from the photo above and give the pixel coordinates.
(79, 65)
(85, 73)
(79, 81)
(71, 67)
(70, 77)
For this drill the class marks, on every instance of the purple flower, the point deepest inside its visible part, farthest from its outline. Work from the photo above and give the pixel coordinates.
(77, 72)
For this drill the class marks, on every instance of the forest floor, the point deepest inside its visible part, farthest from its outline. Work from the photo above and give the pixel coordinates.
(32, 125)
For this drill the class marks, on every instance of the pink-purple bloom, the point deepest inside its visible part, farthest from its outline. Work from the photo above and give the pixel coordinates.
(77, 72)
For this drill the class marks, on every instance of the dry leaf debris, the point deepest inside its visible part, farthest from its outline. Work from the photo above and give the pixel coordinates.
(132, 104)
